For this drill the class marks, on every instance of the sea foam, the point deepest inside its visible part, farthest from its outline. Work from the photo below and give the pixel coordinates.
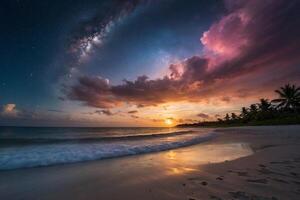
(37, 155)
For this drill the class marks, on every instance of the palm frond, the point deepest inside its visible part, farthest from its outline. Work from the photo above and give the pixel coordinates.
(277, 100)
(280, 93)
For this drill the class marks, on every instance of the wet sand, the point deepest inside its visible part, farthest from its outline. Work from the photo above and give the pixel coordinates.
(241, 163)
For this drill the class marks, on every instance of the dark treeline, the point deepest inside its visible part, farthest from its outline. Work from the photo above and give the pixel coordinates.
(283, 110)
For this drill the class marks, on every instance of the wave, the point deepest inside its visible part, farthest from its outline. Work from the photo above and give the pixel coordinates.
(53, 154)
(23, 141)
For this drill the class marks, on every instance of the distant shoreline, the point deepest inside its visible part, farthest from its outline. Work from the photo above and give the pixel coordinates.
(214, 124)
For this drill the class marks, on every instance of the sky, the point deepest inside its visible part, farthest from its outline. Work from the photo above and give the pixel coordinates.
(142, 62)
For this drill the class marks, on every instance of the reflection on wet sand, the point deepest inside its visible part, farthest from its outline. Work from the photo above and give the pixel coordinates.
(188, 159)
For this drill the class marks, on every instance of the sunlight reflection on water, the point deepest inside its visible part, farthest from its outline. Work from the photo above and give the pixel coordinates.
(188, 159)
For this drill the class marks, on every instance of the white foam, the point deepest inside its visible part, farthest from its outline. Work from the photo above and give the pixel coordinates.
(51, 154)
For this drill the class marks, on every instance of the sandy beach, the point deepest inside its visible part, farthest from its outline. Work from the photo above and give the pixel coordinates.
(240, 163)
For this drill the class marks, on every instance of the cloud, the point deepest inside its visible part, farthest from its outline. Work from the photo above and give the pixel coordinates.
(217, 116)
(9, 110)
(104, 112)
(225, 99)
(134, 116)
(253, 48)
(203, 116)
(55, 110)
(254, 35)
(95, 91)
(132, 111)
(11, 114)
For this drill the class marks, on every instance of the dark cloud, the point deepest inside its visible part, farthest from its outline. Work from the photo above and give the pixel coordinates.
(55, 110)
(226, 99)
(133, 112)
(134, 116)
(242, 50)
(94, 91)
(203, 115)
(99, 112)
(104, 112)
(61, 98)
(217, 116)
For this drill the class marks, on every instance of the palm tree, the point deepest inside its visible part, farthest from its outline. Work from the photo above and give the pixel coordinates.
(264, 105)
(234, 116)
(220, 120)
(253, 110)
(265, 110)
(227, 118)
(289, 97)
(244, 114)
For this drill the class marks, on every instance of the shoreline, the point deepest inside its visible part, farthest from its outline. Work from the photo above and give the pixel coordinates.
(238, 125)
(265, 165)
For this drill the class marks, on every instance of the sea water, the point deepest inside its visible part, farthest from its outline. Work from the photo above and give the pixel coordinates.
(22, 147)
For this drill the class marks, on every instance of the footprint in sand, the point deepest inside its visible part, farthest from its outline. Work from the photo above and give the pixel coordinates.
(246, 196)
(280, 180)
(297, 182)
(197, 181)
(204, 183)
(290, 167)
(215, 197)
(263, 166)
(281, 162)
(239, 173)
(262, 181)
(294, 174)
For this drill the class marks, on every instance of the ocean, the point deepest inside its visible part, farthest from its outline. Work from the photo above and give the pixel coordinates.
(24, 147)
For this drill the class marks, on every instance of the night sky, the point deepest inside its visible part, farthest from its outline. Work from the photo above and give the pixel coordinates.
(142, 62)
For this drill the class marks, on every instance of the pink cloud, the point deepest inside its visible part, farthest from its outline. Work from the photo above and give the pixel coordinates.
(220, 41)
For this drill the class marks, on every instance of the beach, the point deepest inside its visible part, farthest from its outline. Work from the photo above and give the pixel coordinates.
(239, 163)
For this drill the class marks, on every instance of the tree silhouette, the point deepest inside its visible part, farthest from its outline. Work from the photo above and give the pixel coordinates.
(283, 110)
(227, 118)
(264, 105)
(289, 97)
(244, 116)
(234, 116)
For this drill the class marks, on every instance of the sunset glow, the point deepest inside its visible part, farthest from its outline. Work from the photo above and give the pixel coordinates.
(168, 122)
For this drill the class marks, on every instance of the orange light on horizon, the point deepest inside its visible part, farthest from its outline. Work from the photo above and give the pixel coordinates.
(168, 122)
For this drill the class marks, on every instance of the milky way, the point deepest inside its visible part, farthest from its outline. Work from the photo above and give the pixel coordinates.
(92, 33)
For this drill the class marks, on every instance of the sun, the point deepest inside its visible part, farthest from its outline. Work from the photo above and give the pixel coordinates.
(168, 122)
